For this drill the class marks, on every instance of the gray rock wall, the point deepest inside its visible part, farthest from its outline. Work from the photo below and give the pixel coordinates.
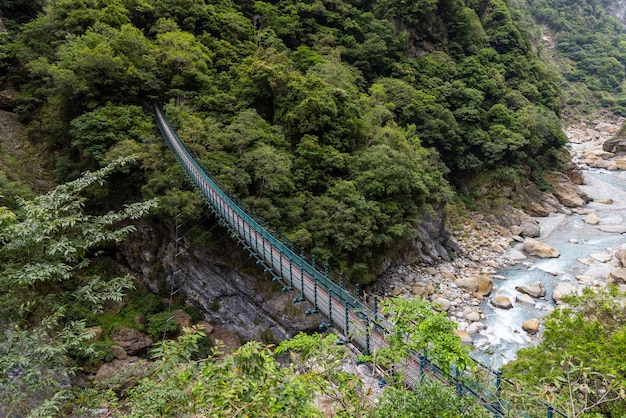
(253, 307)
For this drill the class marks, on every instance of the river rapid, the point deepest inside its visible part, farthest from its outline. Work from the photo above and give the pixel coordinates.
(586, 259)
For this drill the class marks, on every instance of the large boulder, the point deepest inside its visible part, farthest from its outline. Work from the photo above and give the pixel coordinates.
(182, 318)
(535, 209)
(473, 316)
(529, 227)
(615, 145)
(525, 300)
(133, 341)
(592, 219)
(205, 326)
(616, 229)
(617, 276)
(621, 256)
(466, 339)
(474, 328)
(227, 341)
(501, 302)
(540, 249)
(601, 257)
(130, 367)
(119, 352)
(566, 192)
(531, 325)
(485, 285)
(97, 333)
(468, 283)
(443, 304)
(535, 289)
(576, 175)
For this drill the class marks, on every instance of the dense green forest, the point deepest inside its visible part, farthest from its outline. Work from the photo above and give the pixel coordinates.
(342, 123)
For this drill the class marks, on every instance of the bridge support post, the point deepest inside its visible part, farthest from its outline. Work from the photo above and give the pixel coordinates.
(375, 308)
(367, 336)
(498, 380)
(290, 273)
(330, 307)
(347, 323)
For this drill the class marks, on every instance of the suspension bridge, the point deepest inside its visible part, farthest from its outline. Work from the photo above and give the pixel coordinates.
(339, 303)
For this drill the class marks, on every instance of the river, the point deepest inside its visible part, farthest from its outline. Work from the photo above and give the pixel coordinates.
(581, 246)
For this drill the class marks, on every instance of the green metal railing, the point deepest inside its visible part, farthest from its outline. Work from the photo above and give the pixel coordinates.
(341, 303)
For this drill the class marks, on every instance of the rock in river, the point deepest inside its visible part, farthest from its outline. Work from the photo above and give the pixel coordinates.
(531, 325)
(501, 302)
(535, 289)
(540, 249)
(525, 300)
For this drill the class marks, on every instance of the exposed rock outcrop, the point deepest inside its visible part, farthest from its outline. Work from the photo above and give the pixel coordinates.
(228, 298)
(133, 341)
(566, 192)
(433, 242)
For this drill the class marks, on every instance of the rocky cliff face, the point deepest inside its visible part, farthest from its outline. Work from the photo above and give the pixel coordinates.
(253, 307)
(617, 8)
(433, 242)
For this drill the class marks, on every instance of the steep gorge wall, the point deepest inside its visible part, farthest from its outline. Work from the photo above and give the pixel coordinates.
(229, 298)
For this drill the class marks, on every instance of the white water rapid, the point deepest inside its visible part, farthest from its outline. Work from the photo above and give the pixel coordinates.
(586, 260)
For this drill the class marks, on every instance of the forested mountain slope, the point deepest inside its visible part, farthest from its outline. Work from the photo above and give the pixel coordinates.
(588, 44)
(343, 123)
(339, 122)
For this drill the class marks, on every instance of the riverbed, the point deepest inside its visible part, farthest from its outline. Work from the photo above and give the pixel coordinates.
(582, 246)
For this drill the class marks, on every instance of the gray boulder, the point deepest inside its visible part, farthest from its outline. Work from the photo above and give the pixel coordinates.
(615, 145)
(535, 289)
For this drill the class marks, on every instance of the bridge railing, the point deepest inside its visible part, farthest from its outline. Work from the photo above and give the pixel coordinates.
(229, 209)
(364, 315)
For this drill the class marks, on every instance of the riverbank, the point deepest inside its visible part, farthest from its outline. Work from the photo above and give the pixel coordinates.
(495, 290)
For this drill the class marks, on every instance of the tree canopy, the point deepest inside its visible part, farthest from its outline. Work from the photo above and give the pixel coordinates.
(370, 110)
